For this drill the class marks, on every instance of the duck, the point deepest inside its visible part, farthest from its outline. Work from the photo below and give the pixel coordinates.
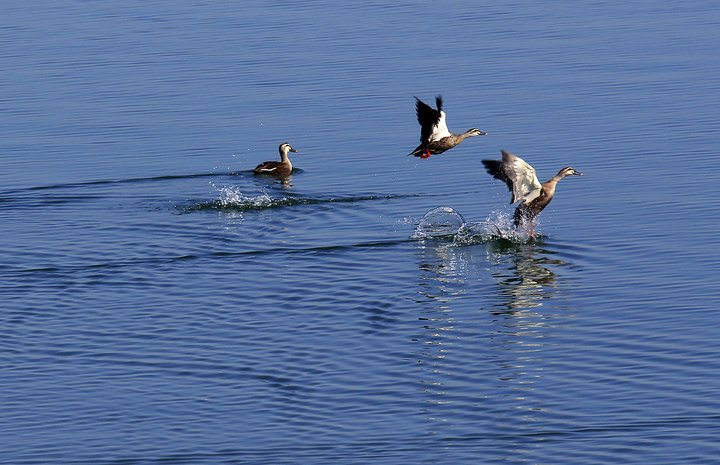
(435, 137)
(277, 168)
(522, 181)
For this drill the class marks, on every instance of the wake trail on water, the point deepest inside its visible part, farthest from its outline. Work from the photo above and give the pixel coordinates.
(100, 182)
(232, 198)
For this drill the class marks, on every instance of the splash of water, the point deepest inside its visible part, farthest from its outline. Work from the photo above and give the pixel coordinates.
(440, 222)
(497, 226)
(233, 197)
(447, 223)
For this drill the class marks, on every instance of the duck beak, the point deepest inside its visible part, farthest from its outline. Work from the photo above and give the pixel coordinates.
(293, 150)
(578, 173)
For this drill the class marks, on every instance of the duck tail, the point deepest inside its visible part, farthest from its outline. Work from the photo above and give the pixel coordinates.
(418, 152)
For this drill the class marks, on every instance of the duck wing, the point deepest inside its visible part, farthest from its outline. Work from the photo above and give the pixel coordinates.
(428, 117)
(267, 167)
(519, 176)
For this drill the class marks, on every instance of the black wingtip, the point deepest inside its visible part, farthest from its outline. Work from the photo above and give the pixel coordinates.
(495, 168)
(492, 166)
(439, 102)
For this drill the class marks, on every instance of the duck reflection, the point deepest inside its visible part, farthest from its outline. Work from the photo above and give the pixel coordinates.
(523, 274)
(486, 323)
(284, 181)
(441, 275)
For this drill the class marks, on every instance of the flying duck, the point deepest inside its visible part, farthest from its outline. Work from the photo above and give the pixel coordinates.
(524, 185)
(434, 135)
(277, 168)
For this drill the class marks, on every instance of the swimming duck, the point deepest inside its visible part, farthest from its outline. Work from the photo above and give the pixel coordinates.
(434, 135)
(277, 168)
(524, 185)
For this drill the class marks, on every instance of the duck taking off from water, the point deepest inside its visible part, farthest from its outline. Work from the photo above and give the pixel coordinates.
(434, 135)
(277, 168)
(524, 185)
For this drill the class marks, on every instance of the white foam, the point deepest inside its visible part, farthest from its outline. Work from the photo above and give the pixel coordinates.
(447, 222)
(232, 196)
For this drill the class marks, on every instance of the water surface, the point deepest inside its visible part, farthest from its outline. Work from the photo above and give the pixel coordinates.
(160, 304)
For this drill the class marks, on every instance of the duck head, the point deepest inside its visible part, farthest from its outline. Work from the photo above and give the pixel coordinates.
(569, 171)
(285, 148)
(472, 132)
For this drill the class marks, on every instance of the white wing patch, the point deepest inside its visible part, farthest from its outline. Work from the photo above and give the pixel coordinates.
(526, 186)
(440, 130)
(265, 168)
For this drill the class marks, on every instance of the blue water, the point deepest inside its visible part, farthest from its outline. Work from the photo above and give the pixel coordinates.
(160, 304)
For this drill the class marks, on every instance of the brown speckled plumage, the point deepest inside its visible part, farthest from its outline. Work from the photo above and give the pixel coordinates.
(523, 183)
(277, 168)
(434, 135)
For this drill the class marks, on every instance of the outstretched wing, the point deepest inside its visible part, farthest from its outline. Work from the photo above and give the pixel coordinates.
(517, 174)
(428, 117)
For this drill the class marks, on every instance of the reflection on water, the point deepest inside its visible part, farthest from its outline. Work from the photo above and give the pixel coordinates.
(441, 272)
(522, 273)
(152, 318)
(282, 181)
(482, 363)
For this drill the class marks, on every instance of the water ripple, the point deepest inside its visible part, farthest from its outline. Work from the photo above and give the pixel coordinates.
(232, 199)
